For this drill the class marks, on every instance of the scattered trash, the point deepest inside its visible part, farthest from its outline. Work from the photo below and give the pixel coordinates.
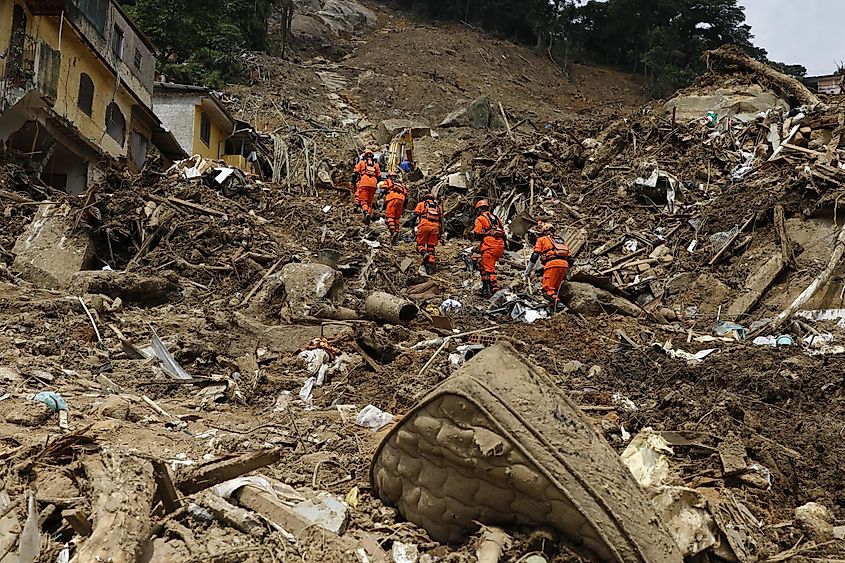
(450, 306)
(168, 364)
(374, 418)
(669, 349)
(52, 399)
(730, 330)
(646, 458)
(405, 552)
(625, 404)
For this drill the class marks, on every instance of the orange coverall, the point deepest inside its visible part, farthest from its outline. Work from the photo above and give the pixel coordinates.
(490, 228)
(553, 252)
(429, 214)
(368, 175)
(395, 199)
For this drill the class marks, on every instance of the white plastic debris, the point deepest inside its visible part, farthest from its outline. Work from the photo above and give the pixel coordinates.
(624, 404)
(282, 401)
(646, 458)
(686, 516)
(373, 417)
(450, 306)
(371, 243)
(327, 208)
(679, 354)
(306, 394)
(405, 552)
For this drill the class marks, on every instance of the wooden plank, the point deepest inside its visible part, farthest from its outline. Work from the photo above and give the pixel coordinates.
(198, 478)
(757, 284)
(284, 517)
(78, 522)
(166, 490)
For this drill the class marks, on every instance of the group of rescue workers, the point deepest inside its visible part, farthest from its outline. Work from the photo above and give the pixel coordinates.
(427, 222)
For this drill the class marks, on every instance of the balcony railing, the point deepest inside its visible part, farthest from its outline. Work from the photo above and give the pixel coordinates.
(28, 65)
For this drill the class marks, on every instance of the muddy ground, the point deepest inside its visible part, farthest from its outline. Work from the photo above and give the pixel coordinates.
(784, 406)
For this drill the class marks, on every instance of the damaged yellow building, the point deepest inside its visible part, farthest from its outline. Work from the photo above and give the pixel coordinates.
(76, 87)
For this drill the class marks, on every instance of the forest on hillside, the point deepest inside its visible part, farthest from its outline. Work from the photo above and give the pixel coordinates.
(662, 40)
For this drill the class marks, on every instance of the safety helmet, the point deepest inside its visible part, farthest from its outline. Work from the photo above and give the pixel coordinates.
(428, 195)
(545, 227)
(392, 174)
(368, 154)
(482, 203)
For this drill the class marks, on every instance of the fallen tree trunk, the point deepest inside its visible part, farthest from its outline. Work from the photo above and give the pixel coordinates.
(732, 55)
(389, 308)
(820, 281)
(123, 490)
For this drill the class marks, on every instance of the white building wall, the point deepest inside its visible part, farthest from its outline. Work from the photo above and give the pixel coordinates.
(177, 116)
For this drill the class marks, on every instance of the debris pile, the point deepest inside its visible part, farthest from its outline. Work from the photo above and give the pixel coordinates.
(243, 371)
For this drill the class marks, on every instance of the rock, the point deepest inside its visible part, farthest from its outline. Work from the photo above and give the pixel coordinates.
(390, 128)
(333, 17)
(476, 115)
(816, 520)
(129, 287)
(305, 284)
(365, 77)
(114, 406)
(28, 413)
(592, 301)
(48, 254)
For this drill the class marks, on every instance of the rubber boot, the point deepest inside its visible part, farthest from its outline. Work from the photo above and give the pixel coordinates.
(486, 289)
(430, 268)
(394, 237)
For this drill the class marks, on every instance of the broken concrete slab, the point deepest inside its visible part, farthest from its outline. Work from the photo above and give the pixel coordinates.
(285, 339)
(305, 284)
(461, 458)
(756, 285)
(743, 101)
(49, 253)
(390, 128)
(591, 301)
(816, 520)
(477, 114)
(130, 287)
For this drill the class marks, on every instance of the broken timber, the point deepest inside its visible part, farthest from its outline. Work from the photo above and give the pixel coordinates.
(123, 492)
(756, 285)
(201, 477)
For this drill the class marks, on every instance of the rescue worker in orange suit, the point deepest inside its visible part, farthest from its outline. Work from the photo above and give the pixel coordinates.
(491, 231)
(553, 253)
(429, 213)
(394, 200)
(365, 179)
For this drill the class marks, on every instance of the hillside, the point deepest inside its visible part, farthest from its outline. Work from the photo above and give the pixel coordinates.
(238, 386)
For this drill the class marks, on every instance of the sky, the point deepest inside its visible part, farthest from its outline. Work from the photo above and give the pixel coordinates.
(805, 32)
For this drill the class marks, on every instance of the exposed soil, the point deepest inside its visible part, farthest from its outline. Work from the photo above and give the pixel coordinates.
(785, 406)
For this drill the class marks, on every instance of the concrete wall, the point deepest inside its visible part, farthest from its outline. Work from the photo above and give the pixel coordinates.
(215, 146)
(139, 81)
(177, 115)
(77, 58)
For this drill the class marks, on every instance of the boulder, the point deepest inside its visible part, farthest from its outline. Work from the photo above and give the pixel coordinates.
(49, 253)
(332, 17)
(592, 301)
(390, 128)
(477, 114)
(816, 520)
(129, 287)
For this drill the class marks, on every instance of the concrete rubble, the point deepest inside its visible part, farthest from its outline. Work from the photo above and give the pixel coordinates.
(190, 373)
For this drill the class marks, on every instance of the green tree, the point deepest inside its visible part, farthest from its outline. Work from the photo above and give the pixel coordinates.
(200, 40)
